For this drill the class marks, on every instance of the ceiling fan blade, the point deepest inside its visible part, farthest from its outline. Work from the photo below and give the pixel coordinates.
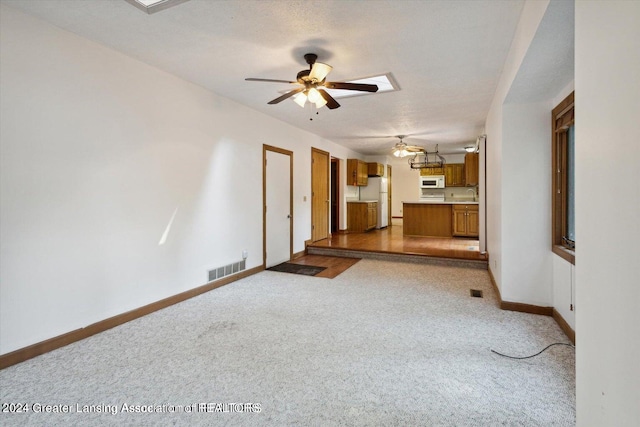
(331, 102)
(251, 79)
(414, 149)
(319, 71)
(285, 96)
(352, 86)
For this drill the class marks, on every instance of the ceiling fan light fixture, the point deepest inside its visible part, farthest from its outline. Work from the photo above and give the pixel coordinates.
(300, 99)
(313, 95)
(321, 103)
(400, 149)
(319, 71)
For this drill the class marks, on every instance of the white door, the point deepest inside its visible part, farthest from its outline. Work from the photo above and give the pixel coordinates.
(278, 208)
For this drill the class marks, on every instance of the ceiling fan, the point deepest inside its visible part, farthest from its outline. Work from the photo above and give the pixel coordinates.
(313, 83)
(401, 149)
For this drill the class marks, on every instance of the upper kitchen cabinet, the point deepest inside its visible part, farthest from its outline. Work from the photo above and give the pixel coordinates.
(357, 172)
(431, 171)
(375, 169)
(471, 169)
(454, 175)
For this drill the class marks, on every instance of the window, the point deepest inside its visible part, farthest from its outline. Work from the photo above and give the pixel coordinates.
(563, 167)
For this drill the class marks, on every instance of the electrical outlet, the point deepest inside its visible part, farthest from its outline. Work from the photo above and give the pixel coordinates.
(245, 254)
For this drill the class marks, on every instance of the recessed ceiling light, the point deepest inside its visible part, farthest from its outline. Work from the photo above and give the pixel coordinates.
(153, 6)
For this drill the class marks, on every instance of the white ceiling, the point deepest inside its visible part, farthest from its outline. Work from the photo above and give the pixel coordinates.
(446, 57)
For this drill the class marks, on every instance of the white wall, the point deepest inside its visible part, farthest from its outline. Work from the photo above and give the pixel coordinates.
(530, 19)
(536, 77)
(607, 227)
(97, 152)
(526, 204)
(404, 182)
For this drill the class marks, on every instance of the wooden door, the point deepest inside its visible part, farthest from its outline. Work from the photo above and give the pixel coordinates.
(389, 186)
(319, 194)
(278, 206)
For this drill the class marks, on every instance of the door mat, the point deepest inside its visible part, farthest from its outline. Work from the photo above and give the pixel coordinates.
(287, 267)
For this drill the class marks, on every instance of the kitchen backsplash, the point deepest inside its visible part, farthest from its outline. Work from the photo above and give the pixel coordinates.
(457, 192)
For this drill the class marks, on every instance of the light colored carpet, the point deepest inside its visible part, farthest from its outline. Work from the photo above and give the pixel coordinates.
(384, 343)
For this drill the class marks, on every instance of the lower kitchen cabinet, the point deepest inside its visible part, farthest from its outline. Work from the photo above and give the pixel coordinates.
(466, 220)
(361, 216)
(426, 219)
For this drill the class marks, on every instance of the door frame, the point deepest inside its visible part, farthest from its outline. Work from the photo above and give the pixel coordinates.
(266, 148)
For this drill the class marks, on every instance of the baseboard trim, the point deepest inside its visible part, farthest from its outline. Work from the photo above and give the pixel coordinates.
(570, 333)
(299, 254)
(533, 309)
(54, 343)
(518, 306)
(526, 308)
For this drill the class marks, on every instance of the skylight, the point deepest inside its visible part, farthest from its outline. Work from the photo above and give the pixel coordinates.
(385, 83)
(153, 6)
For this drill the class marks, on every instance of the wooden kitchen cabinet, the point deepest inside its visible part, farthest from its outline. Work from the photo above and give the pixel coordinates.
(361, 216)
(471, 169)
(431, 171)
(357, 172)
(375, 169)
(454, 175)
(426, 219)
(466, 220)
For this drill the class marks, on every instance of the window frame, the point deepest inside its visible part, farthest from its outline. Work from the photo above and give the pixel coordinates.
(562, 117)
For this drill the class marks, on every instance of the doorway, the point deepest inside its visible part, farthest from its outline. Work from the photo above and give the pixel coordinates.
(277, 218)
(335, 195)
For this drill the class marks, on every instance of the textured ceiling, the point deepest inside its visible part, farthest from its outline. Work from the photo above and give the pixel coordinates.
(446, 57)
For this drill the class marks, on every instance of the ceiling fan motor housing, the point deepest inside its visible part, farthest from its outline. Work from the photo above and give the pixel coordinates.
(303, 76)
(310, 58)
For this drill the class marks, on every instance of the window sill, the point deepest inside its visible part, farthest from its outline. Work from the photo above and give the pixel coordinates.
(564, 253)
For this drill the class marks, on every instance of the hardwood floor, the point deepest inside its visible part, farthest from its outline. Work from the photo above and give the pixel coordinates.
(334, 265)
(390, 240)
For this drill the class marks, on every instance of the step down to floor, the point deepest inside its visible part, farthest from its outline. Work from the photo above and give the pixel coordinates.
(386, 256)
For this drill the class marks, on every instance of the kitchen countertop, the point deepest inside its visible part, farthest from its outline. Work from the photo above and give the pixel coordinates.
(361, 201)
(445, 202)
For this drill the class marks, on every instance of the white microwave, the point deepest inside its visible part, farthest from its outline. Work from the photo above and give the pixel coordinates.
(432, 181)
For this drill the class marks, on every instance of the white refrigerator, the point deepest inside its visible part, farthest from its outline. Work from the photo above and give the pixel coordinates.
(377, 189)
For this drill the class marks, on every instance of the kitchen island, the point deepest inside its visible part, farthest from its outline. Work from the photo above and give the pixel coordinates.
(440, 219)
